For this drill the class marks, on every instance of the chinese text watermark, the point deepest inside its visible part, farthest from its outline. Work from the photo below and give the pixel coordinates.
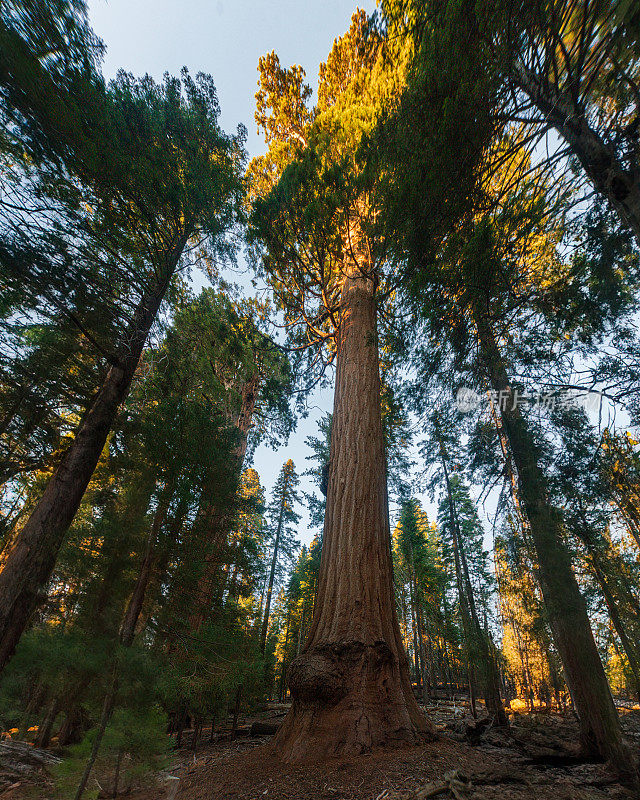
(468, 399)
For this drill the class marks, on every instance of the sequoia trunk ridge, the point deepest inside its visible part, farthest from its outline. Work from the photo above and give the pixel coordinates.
(350, 685)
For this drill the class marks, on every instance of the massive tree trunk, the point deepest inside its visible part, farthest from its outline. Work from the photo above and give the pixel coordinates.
(350, 685)
(32, 557)
(566, 609)
(610, 178)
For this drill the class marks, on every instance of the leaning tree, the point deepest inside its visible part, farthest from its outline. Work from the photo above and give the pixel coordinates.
(169, 184)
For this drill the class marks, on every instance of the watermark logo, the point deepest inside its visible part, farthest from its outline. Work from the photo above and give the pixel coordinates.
(468, 400)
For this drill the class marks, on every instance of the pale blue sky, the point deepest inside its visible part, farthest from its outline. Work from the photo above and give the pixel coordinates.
(226, 39)
(221, 37)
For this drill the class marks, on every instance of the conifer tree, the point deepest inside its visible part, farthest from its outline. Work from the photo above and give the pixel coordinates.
(205, 190)
(282, 517)
(312, 217)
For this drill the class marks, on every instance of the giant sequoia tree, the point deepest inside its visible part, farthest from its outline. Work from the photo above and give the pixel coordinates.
(350, 685)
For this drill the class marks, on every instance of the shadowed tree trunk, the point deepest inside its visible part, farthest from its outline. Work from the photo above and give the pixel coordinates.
(45, 729)
(32, 557)
(350, 685)
(272, 572)
(136, 601)
(426, 671)
(211, 521)
(608, 585)
(600, 730)
(477, 639)
(128, 629)
(619, 185)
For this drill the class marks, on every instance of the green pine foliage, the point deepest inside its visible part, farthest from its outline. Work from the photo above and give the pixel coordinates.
(180, 595)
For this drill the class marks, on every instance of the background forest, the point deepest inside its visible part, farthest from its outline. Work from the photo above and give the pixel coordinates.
(448, 231)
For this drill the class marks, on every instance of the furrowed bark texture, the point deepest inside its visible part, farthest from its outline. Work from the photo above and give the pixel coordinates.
(565, 607)
(350, 685)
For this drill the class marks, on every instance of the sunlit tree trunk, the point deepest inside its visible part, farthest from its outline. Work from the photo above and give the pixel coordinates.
(350, 685)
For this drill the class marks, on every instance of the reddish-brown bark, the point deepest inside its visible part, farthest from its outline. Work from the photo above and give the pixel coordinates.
(350, 685)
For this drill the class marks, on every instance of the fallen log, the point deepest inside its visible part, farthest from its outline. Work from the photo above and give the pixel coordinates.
(19, 760)
(264, 728)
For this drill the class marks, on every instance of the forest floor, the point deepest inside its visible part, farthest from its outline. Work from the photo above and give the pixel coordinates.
(535, 760)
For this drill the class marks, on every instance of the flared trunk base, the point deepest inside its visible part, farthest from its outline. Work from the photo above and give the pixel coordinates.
(348, 699)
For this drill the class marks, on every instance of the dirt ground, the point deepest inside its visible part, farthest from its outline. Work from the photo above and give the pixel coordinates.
(536, 760)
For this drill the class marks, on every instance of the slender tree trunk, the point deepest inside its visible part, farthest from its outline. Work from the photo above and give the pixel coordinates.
(629, 512)
(182, 720)
(33, 554)
(620, 186)
(567, 612)
(426, 670)
(629, 645)
(210, 521)
(350, 685)
(45, 729)
(161, 562)
(197, 727)
(236, 712)
(107, 709)
(283, 671)
(213, 728)
(477, 640)
(38, 696)
(272, 572)
(117, 775)
(414, 621)
(128, 629)
(136, 601)
(488, 664)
